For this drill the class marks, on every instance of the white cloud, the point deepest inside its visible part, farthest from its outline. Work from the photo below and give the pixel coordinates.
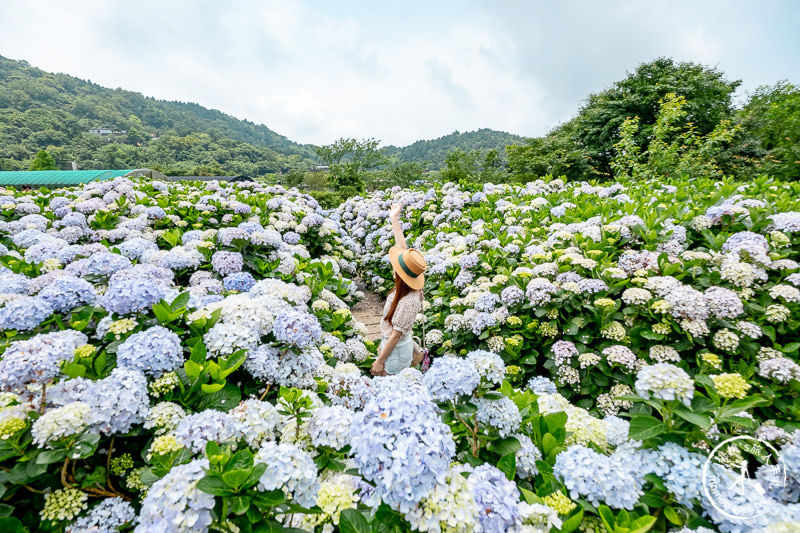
(319, 71)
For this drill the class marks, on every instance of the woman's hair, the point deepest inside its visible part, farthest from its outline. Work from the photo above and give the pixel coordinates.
(401, 288)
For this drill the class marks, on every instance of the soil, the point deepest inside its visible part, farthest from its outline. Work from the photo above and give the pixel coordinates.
(369, 311)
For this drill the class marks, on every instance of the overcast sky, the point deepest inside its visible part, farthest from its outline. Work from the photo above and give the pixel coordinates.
(399, 71)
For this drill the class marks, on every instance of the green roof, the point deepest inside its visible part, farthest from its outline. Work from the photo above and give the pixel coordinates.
(56, 178)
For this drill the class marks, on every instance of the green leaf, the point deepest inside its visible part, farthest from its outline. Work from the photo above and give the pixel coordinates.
(192, 369)
(74, 370)
(505, 446)
(51, 456)
(352, 521)
(223, 400)
(672, 516)
(12, 525)
(607, 516)
(642, 524)
(645, 427)
(215, 486)
(235, 478)
(212, 387)
(508, 465)
(239, 504)
(704, 421)
(549, 442)
(241, 460)
(180, 301)
(572, 523)
(791, 347)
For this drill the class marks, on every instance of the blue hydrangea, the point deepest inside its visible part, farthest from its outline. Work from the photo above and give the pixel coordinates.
(37, 359)
(135, 248)
(226, 236)
(132, 295)
(450, 377)
(527, 454)
(497, 499)
(174, 504)
(153, 351)
(155, 212)
(197, 429)
(502, 414)
(119, 400)
(11, 283)
(23, 313)
(297, 329)
(487, 302)
(98, 264)
(107, 516)
(400, 444)
(42, 251)
(291, 237)
(285, 368)
(615, 481)
(240, 281)
(312, 220)
(542, 385)
(291, 469)
(68, 292)
(74, 219)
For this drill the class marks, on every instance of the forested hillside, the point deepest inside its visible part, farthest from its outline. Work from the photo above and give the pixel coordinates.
(40, 110)
(434, 152)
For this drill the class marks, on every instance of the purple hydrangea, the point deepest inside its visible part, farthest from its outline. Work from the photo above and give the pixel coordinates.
(197, 429)
(291, 237)
(512, 295)
(174, 504)
(225, 263)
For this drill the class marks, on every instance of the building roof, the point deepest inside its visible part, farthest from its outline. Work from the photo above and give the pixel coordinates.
(56, 178)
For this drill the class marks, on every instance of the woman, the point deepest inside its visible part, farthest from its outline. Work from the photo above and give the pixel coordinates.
(396, 351)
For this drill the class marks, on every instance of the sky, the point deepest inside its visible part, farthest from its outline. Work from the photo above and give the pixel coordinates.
(397, 71)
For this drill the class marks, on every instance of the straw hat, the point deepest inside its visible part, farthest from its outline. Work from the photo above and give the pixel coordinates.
(409, 264)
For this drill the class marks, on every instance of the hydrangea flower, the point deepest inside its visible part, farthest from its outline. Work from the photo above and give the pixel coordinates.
(665, 381)
(108, 515)
(23, 313)
(153, 351)
(449, 508)
(174, 504)
(72, 419)
(225, 263)
(196, 430)
(297, 329)
(497, 499)
(67, 292)
(291, 469)
(258, 421)
(502, 414)
(330, 426)
(38, 359)
(489, 365)
(131, 295)
(400, 443)
(450, 377)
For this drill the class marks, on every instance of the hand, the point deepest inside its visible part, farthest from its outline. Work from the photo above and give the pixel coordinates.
(394, 211)
(378, 369)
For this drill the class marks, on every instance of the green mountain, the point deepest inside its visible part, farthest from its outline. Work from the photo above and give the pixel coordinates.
(102, 128)
(435, 151)
(56, 112)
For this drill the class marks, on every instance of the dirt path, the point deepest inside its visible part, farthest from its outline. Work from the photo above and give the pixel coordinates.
(369, 311)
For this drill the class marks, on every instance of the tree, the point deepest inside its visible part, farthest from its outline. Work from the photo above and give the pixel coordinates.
(772, 120)
(43, 161)
(348, 159)
(707, 94)
(676, 148)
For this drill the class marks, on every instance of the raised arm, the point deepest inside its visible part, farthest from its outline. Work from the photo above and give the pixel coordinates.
(394, 216)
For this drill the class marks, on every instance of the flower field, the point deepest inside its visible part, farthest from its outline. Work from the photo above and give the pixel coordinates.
(182, 357)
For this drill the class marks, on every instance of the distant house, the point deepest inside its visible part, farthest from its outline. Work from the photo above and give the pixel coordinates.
(321, 168)
(101, 131)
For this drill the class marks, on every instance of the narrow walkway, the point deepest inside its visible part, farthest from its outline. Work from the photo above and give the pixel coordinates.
(369, 311)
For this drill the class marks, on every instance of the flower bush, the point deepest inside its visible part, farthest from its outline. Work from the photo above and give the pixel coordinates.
(182, 357)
